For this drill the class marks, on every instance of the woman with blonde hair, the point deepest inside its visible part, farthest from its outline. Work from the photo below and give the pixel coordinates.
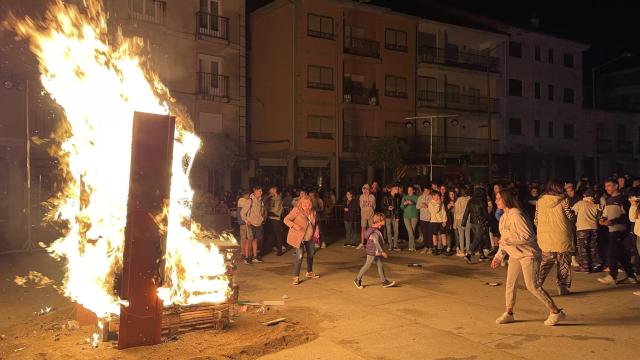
(303, 230)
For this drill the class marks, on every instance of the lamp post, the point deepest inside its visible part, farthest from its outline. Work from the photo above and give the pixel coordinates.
(593, 74)
(429, 122)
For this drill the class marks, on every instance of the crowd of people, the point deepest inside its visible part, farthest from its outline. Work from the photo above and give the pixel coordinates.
(529, 227)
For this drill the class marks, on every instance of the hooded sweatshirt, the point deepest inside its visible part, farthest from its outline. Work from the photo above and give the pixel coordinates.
(254, 211)
(517, 236)
(588, 213)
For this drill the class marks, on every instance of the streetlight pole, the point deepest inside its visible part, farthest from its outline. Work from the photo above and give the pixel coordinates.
(593, 75)
(430, 118)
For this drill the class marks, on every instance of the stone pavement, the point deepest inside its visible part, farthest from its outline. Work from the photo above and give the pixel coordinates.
(443, 310)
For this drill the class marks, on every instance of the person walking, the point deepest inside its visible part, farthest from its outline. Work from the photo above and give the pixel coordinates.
(425, 216)
(519, 242)
(351, 208)
(410, 216)
(274, 220)
(253, 214)
(375, 252)
(391, 204)
(615, 218)
(475, 216)
(587, 215)
(367, 209)
(464, 232)
(554, 221)
(303, 228)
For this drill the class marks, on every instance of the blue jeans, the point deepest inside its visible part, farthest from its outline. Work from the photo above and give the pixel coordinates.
(310, 248)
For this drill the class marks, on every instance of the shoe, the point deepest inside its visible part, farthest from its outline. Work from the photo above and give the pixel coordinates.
(257, 260)
(449, 253)
(324, 245)
(628, 280)
(505, 319)
(346, 245)
(467, 258)
(411, 250)
(296, 281)
(608, 280)
(574, 262)
(360, 246)
(483, 258)
(460, 253)
(436, 252)
(396, 249)
(492, 252)
(597, 269)
(358, 283)
(247, 261)
(388, 284)
(563, 290)
(636, 293)
(312, 275)
(284, 249)
(554, 319)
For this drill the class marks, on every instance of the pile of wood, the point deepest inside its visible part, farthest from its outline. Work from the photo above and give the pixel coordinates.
(180, 319)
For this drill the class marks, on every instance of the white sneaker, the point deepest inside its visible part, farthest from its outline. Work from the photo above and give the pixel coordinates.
(636, 293)
(608, 280)
(360, 246)
(553, 319)
(324, 245)
(574, 262)
(505, 319)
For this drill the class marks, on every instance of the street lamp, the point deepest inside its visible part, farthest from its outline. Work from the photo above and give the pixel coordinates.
(593, 74)
(428, 122)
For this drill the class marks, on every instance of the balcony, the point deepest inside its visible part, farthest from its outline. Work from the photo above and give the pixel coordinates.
(361, 96)
(213, 86)
(356, 143)
(454, 145)
(212, 25)
(459, 59)
(151, 11)
(443, 100)
(604, 146)
(362, 47)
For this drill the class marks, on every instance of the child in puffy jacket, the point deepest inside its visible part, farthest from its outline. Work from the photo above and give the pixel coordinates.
(375, 252)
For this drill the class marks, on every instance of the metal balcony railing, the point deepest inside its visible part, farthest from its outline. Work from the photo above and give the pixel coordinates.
(151, 11)
(362, 47)
(361, 96)
(212, 25)
(356, 143)
(456, 58)
(444, 100)
(213, 86)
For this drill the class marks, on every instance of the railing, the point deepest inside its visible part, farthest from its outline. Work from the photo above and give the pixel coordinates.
(356, 143)
(604, 146)
(320, 34)
(396, 47)
(151, 11)
(361, 96)
(443, 100)
(456, 58)
(362, 47)
(397, 94)
(212, 25)
(454, 145)
(213, 86)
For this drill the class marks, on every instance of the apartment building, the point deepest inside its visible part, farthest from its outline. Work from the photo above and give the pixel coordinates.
(328, 77)
(198, 49)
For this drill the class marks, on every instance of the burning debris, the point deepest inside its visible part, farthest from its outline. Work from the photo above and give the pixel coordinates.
(34, 279)
(100, 81)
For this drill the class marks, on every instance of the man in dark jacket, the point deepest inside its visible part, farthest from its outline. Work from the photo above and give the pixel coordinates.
(476, 215)
(391, 205)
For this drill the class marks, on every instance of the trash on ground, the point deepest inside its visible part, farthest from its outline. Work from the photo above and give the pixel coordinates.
(414, 265)
(493, 284)
(273, 322)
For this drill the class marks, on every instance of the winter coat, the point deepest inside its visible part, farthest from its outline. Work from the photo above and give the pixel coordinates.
(296, 216)
(353, 209)
(553, 220)
(475, 213)
(458, 210)
(394, 201)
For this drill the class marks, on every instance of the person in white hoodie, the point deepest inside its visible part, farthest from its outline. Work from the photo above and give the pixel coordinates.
(518, 240)
(587, 214)
(464, 232)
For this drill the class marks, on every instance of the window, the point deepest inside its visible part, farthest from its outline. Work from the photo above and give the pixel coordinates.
(395, 40)
(550, 93)
(453, 93)
(515, 87)
(474, 96)
(515, 126)
(210, 80)
(568, 131)
(568, 60)
(550, 56)
(427, 88)
(550, 128)
(320, 77)
(536, 128)
(152, 11)
(395, 86)
(320, 26)
(568, 96)
(515, 49)
(536, 90)
(210, 123)
(536, 52)
(319, 127)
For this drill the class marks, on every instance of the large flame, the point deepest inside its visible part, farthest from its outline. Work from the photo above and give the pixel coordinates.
(100, 81)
